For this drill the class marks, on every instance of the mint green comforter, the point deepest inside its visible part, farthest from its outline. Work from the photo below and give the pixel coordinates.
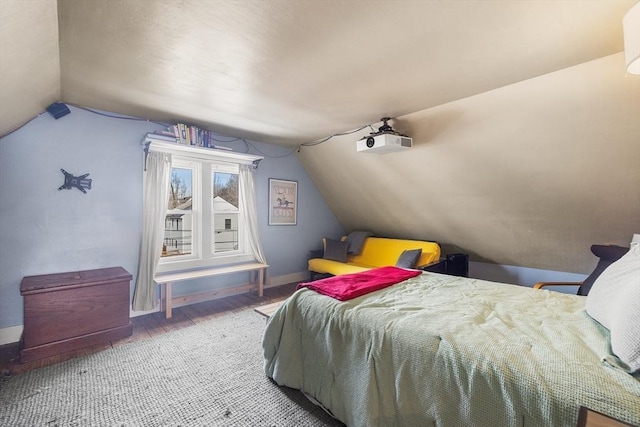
(441, 350)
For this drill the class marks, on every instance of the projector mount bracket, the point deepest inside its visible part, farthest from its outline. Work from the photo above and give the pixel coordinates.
(384, 129)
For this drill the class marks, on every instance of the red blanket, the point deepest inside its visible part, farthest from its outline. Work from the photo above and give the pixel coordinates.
(348, 286)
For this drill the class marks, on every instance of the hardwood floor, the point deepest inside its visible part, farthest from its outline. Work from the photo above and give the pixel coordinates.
(151, 325)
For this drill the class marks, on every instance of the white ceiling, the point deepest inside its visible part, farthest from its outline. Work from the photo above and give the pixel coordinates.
(285, 72)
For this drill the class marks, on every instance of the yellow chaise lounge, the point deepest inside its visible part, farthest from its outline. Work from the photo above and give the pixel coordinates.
(375, 252)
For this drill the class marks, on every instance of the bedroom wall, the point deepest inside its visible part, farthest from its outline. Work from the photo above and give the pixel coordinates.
(528, 175)
(44, 230)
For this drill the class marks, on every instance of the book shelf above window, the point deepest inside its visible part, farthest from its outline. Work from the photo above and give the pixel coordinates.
(164, 145)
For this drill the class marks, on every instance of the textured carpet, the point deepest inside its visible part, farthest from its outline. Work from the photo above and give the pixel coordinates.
(208, 374)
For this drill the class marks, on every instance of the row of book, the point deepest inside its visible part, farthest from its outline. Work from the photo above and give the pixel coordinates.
(187, 135)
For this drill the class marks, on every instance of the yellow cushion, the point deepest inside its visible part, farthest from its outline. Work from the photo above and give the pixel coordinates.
(321, 265)
(381, 252)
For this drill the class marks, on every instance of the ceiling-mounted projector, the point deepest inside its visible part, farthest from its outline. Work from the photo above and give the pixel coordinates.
(384, 143)
(386, 140)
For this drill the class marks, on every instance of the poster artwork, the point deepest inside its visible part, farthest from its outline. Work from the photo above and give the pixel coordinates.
(283, 199)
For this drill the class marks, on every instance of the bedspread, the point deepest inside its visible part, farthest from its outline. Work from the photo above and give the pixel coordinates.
(449, 351)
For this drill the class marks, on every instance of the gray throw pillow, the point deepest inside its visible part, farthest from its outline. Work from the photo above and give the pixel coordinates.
(409, 258)
(335, 250)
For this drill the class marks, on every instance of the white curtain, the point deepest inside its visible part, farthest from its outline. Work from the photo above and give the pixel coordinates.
(248, 199)
(155, 199)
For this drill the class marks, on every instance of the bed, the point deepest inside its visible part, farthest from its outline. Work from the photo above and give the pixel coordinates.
(449, 351)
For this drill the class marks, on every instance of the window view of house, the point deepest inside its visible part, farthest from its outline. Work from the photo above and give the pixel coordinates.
(178, 228)
(179, 221)
(225, 212)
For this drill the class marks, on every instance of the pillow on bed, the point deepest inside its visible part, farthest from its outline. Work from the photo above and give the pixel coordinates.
(335, 250)
(409, 258)
(607, 255)
(614, 301)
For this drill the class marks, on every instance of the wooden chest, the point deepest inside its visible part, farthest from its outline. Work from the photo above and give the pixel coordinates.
(68, 311)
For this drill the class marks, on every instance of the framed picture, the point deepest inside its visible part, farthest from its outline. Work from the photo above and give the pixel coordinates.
(283, 202)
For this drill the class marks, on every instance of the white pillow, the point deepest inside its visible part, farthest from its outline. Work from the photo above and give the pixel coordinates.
(614, 301)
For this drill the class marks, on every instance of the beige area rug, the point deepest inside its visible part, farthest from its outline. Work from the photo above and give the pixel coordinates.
(208, 374)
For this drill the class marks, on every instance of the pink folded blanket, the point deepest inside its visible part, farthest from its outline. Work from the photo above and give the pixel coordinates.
(347, 286)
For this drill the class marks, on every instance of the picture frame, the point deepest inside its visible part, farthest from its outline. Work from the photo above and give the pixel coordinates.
(283, 202)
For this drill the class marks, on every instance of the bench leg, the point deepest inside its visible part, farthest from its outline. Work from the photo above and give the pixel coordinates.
(261, 282)
(167, 294)
(163, 296)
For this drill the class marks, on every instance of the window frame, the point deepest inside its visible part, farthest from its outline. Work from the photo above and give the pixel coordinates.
(231, 169)
(202, 253)
(196, 208)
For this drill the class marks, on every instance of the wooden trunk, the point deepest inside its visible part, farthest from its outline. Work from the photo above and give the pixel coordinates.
(68, 311)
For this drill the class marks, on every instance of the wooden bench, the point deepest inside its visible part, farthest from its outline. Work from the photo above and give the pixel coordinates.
(166, 281)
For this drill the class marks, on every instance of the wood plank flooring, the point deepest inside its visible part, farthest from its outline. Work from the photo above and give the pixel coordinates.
(151, 325)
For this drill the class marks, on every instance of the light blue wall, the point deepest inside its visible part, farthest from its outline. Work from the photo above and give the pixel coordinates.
(43, 230)
(287, 247)
(524, 276)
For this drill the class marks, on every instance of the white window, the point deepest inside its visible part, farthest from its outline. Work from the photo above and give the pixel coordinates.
(228, 236)
(181, 225)
(204, 223)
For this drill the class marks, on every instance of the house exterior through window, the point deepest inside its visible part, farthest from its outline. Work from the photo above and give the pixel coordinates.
(204, 222)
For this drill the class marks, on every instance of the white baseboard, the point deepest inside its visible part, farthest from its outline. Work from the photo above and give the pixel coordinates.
(301, 276)
(11, 334)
